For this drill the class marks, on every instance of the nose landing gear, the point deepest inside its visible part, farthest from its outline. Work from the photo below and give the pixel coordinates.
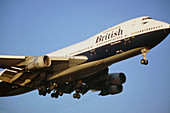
(144, 61)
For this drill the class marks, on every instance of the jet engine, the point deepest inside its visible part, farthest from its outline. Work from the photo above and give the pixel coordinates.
(39, 62)
(115, 79)
(111, 90)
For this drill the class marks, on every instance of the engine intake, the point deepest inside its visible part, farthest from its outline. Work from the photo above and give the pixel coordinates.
(111, 90)
(115, 79)
(39, 62)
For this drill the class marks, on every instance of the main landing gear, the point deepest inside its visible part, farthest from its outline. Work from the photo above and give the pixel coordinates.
(45, 89)
(144, 61)
(56, 91)
(77, 94)
(56, 94)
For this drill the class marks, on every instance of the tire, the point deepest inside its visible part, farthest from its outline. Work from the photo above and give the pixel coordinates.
(78, 96)
(40, 93)
(48, 91)
(60, 93)
(44, 94)
(142, 61)
(146, 62)
(75, 95)
(56, 95)
(53, 95)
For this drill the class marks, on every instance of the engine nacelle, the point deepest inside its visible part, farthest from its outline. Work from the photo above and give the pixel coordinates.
(111, 90)
(115, 79)
(39, 62)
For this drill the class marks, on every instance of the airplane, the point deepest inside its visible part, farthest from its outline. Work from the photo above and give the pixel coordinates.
(83, 67)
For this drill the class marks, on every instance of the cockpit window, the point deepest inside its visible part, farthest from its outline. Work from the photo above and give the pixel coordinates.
(146, 18)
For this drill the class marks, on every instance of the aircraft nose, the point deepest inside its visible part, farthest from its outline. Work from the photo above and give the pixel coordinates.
(169, 29)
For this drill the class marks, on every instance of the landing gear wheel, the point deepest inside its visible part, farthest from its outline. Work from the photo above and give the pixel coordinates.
(52, 95)
(56, 95)
(42, 93)
(48, 91)
(76, 95)
(42, 90)
(145, 62)
(60, 93)
(142, 61)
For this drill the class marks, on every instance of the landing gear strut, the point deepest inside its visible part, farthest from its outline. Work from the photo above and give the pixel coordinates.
(144, 61)
(42, 90)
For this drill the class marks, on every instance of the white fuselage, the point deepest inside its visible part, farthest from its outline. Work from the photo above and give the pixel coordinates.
(131, 28)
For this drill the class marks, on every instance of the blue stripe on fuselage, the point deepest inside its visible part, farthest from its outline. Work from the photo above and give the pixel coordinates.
(148, 40)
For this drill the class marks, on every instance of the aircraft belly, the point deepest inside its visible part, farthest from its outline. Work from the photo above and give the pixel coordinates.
(87, 69)
(78, 72)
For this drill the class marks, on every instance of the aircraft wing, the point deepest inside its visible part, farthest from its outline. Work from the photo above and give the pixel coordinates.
(7, 61)
(24, 70)
(25, 73)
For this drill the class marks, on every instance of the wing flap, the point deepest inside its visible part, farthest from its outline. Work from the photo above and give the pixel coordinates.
(16, 76)
(7, 75)
(4, 78)
(19, 78)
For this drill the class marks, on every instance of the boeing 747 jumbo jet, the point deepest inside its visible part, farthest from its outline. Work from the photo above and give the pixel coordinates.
(82, 66)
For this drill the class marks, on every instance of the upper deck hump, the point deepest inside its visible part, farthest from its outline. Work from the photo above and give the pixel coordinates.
(89, 43)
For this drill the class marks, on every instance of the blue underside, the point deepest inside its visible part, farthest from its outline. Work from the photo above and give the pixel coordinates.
(148, 40)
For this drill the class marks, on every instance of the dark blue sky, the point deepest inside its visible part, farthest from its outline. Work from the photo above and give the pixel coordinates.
(37, 27)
